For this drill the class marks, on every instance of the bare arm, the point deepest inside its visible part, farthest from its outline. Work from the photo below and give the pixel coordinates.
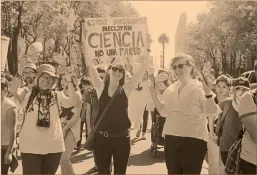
(77, 110)
(96, 80)
(158, 104)
(16, 83)
(11, 120)
(136, 79)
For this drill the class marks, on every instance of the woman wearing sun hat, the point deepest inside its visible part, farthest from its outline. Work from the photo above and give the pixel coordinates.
(41, 136)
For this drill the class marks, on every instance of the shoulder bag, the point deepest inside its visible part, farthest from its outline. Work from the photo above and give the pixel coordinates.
(89, 145)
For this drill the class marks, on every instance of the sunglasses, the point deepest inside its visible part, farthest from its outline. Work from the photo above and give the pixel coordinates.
(114, 69)
(180, 66)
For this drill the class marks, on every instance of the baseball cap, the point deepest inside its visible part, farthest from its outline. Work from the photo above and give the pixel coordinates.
(31, 65)
(242, 82)
(47, 68)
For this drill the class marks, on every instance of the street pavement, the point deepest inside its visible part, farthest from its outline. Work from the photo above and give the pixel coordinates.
(141, 160)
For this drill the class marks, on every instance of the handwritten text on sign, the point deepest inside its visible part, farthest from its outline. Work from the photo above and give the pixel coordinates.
(110, 37)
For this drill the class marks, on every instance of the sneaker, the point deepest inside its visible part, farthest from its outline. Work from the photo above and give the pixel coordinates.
(138, 133)
(143, 136)
(92, 170)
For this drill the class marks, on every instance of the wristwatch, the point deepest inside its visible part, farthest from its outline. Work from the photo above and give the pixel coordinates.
(208, 96)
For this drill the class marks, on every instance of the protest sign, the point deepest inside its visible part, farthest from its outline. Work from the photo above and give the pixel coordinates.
(115, 37)
(5, 44)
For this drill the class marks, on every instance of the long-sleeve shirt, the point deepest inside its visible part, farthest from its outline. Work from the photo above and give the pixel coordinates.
(185, 112)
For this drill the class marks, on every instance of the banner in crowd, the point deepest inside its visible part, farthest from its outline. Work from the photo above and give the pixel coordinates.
(107, 38)
(5, 44)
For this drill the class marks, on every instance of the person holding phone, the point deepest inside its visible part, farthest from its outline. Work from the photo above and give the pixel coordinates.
(186, 103)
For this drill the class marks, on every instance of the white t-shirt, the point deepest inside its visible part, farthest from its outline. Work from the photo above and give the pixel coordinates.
(185, 113)
(21, 106)
(39, 140)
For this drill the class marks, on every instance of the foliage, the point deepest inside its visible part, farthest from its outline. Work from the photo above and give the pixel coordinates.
(226, 35)
(57, 24)
(163, 39)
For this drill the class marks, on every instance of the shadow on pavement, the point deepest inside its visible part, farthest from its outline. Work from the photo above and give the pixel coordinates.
(145, 158)
(81, 157)
(134, 140)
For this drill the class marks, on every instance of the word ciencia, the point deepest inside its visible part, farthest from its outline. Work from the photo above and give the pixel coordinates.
(134, 39)
(117, 52)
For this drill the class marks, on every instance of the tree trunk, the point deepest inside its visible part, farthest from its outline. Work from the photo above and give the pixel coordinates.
(83, 62)
(12, 55)
(163, 57)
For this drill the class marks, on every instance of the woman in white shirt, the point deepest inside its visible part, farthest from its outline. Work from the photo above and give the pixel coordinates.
(186, 103)
(41, 136)
(70, 120)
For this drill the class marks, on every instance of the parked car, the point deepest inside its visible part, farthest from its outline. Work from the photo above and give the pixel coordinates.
(251, 76)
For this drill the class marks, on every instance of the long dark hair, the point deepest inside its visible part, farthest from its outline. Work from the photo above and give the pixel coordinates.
(72, 80)
(107, 77)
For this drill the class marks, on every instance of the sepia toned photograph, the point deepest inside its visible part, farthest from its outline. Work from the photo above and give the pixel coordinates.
(128, 87)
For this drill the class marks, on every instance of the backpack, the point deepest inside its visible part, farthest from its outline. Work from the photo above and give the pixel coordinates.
(233, 160)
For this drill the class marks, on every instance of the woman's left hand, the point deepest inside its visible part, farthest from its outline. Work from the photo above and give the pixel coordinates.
(207, 86)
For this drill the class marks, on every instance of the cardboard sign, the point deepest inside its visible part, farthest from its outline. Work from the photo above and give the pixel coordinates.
(107, 38)
(5, 44)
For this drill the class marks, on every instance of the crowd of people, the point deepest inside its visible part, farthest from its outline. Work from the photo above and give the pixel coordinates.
(214, 119)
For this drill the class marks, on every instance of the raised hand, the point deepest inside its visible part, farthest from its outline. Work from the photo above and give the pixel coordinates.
(207, 83)
(23, 60)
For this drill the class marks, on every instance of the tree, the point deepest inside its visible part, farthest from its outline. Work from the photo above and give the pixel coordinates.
(226, 35)
(163, 39)
(57, 24)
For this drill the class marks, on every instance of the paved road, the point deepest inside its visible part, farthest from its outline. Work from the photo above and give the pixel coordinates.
(141, 161)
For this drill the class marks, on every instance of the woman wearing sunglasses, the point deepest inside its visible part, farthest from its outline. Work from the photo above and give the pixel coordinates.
(113, 133)
(186, 103)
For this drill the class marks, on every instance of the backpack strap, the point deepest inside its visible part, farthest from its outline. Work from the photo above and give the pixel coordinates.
(222, 117)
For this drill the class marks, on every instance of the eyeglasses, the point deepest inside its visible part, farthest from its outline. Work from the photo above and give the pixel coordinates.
(46, 77)
(28, 73)
(180, 66)
(114, 69)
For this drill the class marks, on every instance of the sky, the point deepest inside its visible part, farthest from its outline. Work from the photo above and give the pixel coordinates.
(162, 17)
